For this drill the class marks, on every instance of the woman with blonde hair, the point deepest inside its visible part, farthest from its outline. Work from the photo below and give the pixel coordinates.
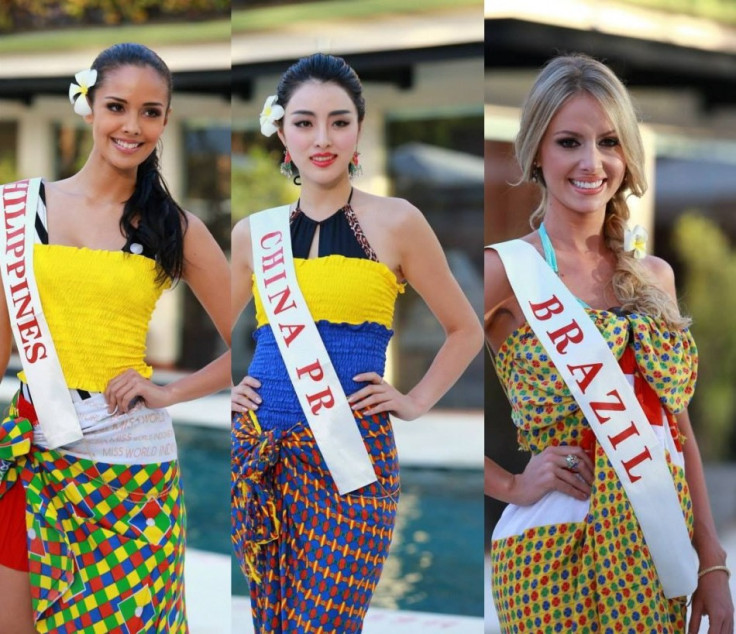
(597, 534)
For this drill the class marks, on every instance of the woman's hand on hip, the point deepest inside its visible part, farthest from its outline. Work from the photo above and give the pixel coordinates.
(379, 396)
(128, 388)
(243, 396)
(552, 470)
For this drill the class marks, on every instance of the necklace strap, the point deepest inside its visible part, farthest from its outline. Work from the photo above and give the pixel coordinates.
(549, 251)
(298, 208)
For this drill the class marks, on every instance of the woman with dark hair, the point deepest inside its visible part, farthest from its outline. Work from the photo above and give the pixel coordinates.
(91, 512)
(315, 473)
(599, 367)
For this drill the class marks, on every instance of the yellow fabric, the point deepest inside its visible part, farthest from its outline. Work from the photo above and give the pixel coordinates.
(595, 575)
(343, 290)
(97, 305)
(542, 407)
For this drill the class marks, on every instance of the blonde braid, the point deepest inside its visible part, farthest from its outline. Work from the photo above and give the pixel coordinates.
(632, 284)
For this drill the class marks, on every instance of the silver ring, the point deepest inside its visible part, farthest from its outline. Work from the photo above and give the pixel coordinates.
(572, 462)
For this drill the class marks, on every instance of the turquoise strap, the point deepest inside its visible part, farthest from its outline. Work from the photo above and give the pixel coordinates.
(551, 258)
(549, 251)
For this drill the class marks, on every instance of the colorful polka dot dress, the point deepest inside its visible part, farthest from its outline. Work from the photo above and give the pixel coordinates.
(313, 557)
(563, 565)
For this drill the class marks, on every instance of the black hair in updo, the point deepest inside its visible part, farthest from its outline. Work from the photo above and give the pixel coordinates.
(323, 68)
(150, 217)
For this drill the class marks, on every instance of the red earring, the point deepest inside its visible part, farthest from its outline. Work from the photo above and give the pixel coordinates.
(287, 167)
(354, 167)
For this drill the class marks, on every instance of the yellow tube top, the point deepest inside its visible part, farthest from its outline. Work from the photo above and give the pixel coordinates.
(343, 290)
(97, 304)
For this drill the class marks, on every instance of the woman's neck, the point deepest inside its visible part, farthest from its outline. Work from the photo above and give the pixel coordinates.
(103, 182)
(581, 233)
(321, 202)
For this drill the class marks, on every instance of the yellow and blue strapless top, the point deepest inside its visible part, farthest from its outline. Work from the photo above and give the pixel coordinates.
(543, 409)
(352, 302)
(98, 305)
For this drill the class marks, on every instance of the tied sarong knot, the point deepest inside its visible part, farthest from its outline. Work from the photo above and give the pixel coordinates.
(256, 499)
(16, 438)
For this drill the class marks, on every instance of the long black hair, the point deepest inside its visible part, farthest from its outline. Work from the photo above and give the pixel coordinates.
(150, 217)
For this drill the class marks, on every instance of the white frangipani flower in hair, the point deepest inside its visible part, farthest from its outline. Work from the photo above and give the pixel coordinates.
(271, 113)
(78, 92)
(636, 240)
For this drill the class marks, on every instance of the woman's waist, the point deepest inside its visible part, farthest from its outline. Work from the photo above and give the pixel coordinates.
(352, 350)
(93, 374)
(280, 407)
(574, 430)
(140, 436)
(249, 431)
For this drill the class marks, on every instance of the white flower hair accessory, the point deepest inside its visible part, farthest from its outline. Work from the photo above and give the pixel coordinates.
(636, 240)
(271, 113)
(78, 92)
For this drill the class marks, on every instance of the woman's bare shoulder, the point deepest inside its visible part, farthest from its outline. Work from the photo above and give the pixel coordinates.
(661, 273)
(390, 211)
(241, 231)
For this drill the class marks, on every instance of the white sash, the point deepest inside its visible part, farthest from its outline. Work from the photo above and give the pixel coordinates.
(591, 372)
(51, 399)
(311, 372)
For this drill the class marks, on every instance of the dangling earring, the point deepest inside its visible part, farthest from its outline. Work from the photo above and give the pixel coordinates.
(354, 167)
(536, 173)
(287, 167)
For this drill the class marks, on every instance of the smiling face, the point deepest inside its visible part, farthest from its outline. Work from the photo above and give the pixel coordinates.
(129, 113)
(581, 158)
(321, 130)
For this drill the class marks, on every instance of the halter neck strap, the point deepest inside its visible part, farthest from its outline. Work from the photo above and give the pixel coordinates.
(549, 250)
(298, 208)
(551, 258)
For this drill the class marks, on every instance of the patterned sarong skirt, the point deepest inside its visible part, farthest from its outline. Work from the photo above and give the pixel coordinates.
(104, 520)
(313, 557)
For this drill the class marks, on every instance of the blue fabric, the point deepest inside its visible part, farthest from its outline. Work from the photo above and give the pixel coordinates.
(549, 251)
(353, 349)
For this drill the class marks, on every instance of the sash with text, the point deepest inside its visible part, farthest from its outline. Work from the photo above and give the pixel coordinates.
(595, 380)
(51, 399)
(309, 366)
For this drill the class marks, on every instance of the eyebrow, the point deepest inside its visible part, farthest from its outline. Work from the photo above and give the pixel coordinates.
(147, 103)
(572, 133)
(312, 114)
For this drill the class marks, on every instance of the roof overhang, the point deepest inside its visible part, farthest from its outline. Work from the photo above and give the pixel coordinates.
(385, 49)
(200, 69)
(667, 50)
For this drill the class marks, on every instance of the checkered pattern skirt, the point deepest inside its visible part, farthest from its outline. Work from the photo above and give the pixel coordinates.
(105, 541)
